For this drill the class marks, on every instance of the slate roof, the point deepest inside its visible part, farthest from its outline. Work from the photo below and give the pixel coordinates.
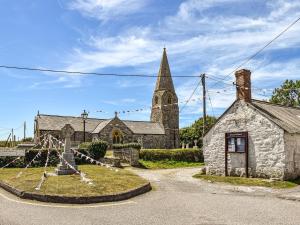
(93, 125)
(53, 122)
(288, 118)
(144, 127)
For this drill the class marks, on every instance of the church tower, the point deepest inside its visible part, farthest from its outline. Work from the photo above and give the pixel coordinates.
(165, 104)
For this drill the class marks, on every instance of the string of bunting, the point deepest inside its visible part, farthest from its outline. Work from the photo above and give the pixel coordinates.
(44, 176)
(157, 107)
(82, 175)
(14, 160)
(91, 160)
(11, 162)
(34, 158)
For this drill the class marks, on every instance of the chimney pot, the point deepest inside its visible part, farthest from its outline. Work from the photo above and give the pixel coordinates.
(243, 85)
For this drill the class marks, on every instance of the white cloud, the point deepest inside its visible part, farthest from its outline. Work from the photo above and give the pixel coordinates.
(214, 43)
(105, 10)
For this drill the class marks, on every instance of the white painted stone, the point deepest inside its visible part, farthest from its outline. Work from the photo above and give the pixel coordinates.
(267, 155)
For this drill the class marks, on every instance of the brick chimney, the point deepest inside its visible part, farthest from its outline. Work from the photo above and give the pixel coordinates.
(243, 85)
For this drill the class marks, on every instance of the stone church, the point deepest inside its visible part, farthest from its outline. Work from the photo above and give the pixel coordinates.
(162, 131)
(254, 138)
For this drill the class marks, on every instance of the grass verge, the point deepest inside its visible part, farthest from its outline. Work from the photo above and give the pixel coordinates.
(242, 181)
(167, 164)
(105, 181)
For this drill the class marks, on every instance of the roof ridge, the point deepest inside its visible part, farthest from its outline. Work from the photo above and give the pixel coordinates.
(93, 118)
(274, 104)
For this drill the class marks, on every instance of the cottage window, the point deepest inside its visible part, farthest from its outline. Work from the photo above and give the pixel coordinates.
(236, 142)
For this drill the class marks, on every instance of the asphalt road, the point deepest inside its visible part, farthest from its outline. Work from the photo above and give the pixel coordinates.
(177, 199)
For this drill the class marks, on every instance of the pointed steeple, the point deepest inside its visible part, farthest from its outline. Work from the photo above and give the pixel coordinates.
(164, 78)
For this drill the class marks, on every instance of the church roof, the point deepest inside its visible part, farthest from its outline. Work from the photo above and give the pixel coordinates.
(93, 125)
(164, 78)
(54, 122)
(144, 127)
(288, 118)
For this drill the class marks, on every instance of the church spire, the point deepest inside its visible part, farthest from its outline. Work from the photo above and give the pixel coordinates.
(164, 78)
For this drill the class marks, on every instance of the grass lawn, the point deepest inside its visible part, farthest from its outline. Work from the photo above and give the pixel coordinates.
(250, 181)
(105, 181)
(167, 164)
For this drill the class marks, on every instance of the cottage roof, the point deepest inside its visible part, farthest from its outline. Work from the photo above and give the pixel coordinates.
(288, 118)
(94, 125)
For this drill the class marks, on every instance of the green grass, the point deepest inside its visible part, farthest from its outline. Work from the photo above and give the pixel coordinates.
(250, 181)
(105, 181)
(167, 164)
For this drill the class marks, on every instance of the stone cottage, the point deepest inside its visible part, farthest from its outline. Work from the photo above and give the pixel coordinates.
(162, 131)
(254, 138)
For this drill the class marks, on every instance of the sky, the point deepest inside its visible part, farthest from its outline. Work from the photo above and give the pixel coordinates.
(127, 37)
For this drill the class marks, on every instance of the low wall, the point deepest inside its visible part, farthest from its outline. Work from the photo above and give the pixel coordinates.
(77, 200)
(129, 155)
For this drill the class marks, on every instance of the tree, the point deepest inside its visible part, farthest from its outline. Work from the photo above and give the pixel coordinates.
(288, 94)
(194, 132)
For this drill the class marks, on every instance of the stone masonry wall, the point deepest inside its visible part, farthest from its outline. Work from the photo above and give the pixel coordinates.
(266, 144)
(292, 149)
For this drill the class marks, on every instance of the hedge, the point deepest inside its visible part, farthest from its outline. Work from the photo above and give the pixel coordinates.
(186, 155)
(127, 145)
(40, 161)
(96, 149)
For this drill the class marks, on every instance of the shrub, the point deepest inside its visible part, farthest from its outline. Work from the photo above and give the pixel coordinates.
(97, 149)
(84, 145)
(186, 155)
(128, 145)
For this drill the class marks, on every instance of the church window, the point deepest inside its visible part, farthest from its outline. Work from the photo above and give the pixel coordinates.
(169, 99)
(117, 137)
(156, 100)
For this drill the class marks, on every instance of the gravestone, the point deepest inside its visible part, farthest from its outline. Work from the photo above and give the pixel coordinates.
(68, 157)
(195, 146)
(182, 145)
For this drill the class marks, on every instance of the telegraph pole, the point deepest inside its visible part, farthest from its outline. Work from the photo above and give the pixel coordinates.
(24, 130)
(204, 101)
(12, 137)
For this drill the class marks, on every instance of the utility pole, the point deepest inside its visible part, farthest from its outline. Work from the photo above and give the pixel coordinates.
(204, 101)
(12, 137)
(24, 130)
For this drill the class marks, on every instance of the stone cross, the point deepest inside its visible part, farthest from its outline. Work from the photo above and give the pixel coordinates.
(67, 131)
(68, 157)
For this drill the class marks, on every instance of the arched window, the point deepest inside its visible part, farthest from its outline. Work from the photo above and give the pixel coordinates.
(156, 100)
(117, 137)
(169, 99)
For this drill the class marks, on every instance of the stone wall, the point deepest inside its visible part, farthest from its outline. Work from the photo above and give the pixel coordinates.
(266, 144)
(146, 140)
(292, 150)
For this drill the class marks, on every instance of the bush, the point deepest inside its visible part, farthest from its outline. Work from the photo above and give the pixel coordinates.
(128, 145)
(84, 145)
(97, 149)
(185, 155)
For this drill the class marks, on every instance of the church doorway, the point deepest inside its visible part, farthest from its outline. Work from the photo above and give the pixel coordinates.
(117, 137)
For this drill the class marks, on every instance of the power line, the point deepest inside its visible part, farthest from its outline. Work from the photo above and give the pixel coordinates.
(262, 49)
(87, 73)
(189, 99)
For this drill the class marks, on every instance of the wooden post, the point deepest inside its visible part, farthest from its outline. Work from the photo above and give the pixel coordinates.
(246, 155)
(226, 155)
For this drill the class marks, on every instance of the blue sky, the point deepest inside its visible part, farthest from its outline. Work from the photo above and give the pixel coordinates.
(127, 37)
